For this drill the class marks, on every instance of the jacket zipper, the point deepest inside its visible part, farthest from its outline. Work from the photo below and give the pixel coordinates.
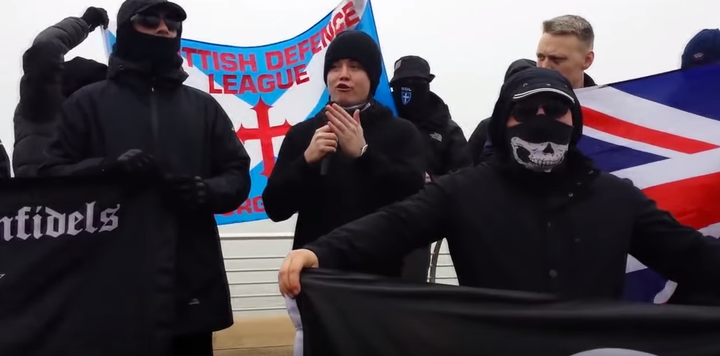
(155, 124)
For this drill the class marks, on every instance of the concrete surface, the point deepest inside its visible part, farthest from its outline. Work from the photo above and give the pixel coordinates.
(261, 336)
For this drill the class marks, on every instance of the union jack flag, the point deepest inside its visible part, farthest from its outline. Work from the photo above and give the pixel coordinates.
(663, 133)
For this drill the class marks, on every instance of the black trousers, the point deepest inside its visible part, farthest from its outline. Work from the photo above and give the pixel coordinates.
(192, 345)
(416, 265)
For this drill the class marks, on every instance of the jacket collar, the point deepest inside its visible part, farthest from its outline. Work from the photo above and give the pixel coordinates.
(140, 74)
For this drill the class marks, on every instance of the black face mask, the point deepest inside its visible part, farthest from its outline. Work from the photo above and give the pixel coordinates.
(540, 142)
(410, 99)
(161, 53)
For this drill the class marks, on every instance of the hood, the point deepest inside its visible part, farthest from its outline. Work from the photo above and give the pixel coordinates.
(79, 72)
(518, 66)
(503, 106)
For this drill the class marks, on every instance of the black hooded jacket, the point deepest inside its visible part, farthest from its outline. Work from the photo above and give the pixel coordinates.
(568, 234)
(45, 83)
(188, 133)
(445, 144)
(479, 146)
(391, 169)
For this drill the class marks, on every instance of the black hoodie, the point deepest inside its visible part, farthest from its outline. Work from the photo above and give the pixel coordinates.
(445, 144)
(478, 144)
(571, 240)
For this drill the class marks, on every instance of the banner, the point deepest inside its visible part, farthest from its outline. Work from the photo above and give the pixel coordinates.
(267, 89)
(86, 268)
(663, 133)
(357, 315)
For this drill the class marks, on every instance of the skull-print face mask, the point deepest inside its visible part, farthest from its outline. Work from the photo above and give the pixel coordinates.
(540, 141)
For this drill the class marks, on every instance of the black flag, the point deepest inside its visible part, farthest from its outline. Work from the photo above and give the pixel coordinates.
(354, 315)
(86, 269)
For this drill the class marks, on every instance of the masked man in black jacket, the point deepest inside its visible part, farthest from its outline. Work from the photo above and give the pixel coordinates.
(445, 144)
(47, 81)
(538, 217)
(142, 122)
(351, 159)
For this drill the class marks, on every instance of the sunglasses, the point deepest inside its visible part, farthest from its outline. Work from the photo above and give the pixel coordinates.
(153, 21)
(527, 109)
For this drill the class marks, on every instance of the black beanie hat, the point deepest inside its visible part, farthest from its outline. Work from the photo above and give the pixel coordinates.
(357, 46)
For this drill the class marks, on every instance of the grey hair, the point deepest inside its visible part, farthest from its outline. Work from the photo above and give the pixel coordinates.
(571, 25)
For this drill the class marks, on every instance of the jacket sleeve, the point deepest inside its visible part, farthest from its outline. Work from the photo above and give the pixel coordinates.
(41, 92)
(389, 233)
(476, 143)
(398, 168)
(457, 155)
(678, 252)
(67, 153)
(286, 188)
(66, 34)
(229, 185)
(4, 163)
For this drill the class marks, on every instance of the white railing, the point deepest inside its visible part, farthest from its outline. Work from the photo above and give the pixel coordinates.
(253, 278)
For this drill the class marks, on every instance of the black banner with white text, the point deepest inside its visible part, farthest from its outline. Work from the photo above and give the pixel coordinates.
(353, 315)
(86, 269)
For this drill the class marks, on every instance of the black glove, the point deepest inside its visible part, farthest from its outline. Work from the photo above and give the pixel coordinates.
(190, 193)
(136, 163)
(94, 17)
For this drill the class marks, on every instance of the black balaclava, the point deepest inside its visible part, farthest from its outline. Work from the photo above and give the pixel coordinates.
(539, 144)
(357, 46)
(411, 97)
(161, 54)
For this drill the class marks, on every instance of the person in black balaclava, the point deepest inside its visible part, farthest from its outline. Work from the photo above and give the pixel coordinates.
(539, 217)
(142, 123)
(480, 149)
(445, 144)
(352, 158)
(47, 81)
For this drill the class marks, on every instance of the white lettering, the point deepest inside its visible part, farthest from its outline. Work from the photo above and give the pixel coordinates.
(109, 220)
(56, 223)
(21, 218)
(90, 217)
(73, 220)
(37, 224)
(7, 228)
(46, 221)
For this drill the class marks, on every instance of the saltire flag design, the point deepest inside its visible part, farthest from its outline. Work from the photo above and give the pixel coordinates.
(267, 89)
(663, 133)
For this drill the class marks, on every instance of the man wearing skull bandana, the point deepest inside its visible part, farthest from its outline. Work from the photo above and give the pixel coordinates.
(444, 142)
(539, 217)
(142, 123)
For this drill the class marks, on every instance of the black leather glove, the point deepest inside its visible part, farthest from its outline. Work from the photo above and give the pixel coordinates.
(190, 193)
(136, 163)
(94, 17)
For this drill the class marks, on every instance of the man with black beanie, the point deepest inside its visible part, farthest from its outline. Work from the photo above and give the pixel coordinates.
(47, 81)
(352, 158)
(445, 146)
(539, 217)
(143, 123)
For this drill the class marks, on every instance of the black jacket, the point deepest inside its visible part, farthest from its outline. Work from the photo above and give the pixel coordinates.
(445, 144)
(41, 90)
(517, 232)
(391, 169)
(479, 146)
(189, 133)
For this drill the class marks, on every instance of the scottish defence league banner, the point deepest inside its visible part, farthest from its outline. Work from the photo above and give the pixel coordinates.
(357, 315)
(86, 269)
(267, 89)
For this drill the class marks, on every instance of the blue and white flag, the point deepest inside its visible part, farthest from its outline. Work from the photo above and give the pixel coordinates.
(267, 89)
